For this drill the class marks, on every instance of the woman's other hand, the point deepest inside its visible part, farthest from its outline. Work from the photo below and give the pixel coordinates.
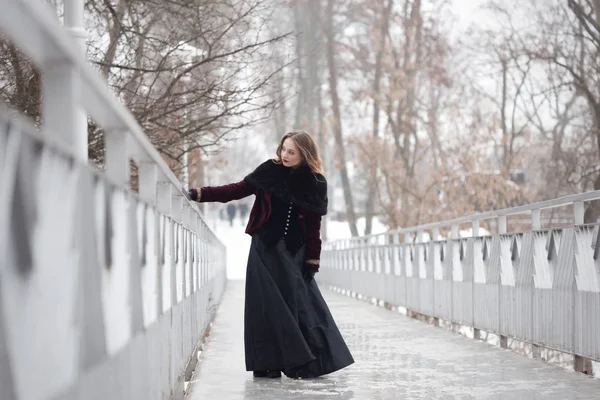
(309, 273)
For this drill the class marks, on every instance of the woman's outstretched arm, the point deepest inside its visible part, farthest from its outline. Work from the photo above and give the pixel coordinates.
(222, 194)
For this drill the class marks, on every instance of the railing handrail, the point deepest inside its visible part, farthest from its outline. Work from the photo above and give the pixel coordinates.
(523, 209)
(45, 41)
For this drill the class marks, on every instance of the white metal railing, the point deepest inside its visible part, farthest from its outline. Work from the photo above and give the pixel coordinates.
(541, 286)
(104, 293)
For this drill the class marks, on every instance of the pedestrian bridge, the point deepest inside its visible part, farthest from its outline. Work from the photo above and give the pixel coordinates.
(106, 293)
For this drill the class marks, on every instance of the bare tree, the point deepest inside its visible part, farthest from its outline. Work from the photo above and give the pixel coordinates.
(504, 100)
(384, 21)
(337, 118)
(565, 43)
(190, 72)
(20, 83)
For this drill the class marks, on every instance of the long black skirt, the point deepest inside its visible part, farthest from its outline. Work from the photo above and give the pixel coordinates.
(287, 324)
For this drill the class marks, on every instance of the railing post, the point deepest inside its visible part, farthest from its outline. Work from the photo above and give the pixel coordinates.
(475, 228)
(75, 25)
(578, 212)
(474, 233)
(163, 206)
(186, 215)
(407, 240)
(502, 224)
(148, 192)
(536, 225)
(117, 166)
(502, 229)
(163, 198)
(187, 265)
(148, 180)
(581, 364)
(61, 99)
(536, 220)
(454, 234)
(177, 206)
(435, 236)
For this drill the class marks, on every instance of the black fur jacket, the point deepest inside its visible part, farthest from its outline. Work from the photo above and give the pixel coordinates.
(299, 185)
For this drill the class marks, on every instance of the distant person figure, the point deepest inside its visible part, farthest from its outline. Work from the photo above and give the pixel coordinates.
(243, 210)
(287, 325)
(231, 213)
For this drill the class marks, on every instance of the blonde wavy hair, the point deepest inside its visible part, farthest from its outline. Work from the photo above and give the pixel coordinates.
(308, 150)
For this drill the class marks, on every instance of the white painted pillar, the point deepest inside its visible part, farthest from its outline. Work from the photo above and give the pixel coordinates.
(75, 25)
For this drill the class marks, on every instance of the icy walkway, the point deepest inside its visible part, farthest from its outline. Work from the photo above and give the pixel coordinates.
(396, 358)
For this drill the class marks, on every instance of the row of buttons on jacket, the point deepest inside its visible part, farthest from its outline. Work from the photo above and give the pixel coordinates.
(287, 222)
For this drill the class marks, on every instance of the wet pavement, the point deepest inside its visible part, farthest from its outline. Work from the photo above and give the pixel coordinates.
(396, 358)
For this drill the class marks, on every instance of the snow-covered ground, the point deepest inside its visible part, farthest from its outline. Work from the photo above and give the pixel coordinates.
(237, 243)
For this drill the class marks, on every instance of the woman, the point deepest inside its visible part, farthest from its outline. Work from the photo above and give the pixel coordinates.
(287, 325)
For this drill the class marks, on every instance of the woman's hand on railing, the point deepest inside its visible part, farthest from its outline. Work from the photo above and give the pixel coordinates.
(193, 194)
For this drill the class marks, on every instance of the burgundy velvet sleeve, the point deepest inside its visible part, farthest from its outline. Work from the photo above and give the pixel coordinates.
(313, 239)
(226, 193)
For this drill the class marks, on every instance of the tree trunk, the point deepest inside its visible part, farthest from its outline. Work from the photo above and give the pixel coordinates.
(313, 48)
(337, 124)
(597, 10)
(280, 113)
(300, 32)
(406, 111)
(114, 33)
(322, 142)
(503, 116)
(315, 93)
(592, 213)
(370, 206)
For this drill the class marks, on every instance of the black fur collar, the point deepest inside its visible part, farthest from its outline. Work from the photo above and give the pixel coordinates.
(298, 185)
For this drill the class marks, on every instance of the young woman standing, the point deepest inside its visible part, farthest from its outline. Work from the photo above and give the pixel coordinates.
(287, 325)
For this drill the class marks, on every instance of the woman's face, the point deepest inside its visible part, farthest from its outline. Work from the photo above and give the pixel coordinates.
(290, 155)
